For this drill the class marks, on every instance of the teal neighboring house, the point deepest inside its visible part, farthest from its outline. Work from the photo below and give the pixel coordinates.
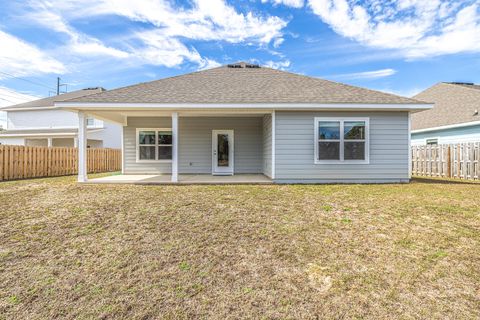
(454, 118)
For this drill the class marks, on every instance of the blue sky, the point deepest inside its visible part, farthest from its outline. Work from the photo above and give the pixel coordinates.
(401, 46)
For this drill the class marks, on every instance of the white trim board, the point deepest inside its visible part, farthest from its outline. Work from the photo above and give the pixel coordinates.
(450, 126)
(47, 134)
(245, 106)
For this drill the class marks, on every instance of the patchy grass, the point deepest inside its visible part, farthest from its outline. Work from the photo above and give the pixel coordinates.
(329, 251)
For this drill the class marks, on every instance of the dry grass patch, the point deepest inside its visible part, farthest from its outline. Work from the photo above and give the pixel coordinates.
(329, 251)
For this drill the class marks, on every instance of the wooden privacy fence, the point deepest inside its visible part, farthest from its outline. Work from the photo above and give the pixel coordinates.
(447, 160)
(20, 162)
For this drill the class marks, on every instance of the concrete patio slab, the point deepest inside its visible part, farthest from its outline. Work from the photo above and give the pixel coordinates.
(183, 179)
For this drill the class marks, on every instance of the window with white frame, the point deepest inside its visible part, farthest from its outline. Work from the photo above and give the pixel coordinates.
(154, 145)
(342, 140)
(90, 122)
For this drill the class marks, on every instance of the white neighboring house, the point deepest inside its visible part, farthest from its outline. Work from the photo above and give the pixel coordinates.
(40, 123)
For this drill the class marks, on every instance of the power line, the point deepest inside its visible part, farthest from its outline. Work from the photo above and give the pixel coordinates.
(11, 96)
(7, 100)
(30, 81)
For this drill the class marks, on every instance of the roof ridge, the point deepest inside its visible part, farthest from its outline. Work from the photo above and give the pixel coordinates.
(458, 85)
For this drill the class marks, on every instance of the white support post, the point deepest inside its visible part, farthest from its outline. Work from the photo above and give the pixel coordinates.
(82, 147)
(273, 144)
(123, 149)
(50, 142)
(409, 145)
(175, 147)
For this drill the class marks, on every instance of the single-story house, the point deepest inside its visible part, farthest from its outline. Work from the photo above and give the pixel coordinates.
(455, 117)
(243, 119)
(40, 123)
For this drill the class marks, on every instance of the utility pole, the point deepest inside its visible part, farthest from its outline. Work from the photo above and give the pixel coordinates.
(59, 85)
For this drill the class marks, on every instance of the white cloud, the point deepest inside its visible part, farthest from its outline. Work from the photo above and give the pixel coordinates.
(162, 50)
(167, 28)
(206, 20)
(79, 43)
(382, 73)
(20, 58)
(409, 92)
(418, 28)
(281, 65)
(288, 3)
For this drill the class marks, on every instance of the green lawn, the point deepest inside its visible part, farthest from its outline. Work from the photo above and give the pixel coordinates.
(408, 251)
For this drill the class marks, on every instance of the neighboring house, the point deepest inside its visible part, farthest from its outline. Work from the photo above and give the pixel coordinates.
(40, 123)
(246, 119)
(455, 117)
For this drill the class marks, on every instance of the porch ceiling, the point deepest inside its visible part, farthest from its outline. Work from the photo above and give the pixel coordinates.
(120, 116)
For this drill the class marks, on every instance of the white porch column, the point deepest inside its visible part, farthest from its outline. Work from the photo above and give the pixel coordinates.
(82, 147)
(273, 144)
(50, 142)
(174, 146)
(409, 145)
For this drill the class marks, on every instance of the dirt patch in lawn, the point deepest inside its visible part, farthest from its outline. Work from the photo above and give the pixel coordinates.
(227, 252)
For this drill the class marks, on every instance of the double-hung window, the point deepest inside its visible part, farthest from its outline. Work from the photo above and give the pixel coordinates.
(341, 140)
(154, 145)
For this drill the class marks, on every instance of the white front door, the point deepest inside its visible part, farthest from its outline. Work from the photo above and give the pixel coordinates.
(222, 152)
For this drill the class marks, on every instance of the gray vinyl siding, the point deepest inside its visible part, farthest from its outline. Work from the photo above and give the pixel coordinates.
(195, 143)
(267, 145)
(129, 145)
(294, 149)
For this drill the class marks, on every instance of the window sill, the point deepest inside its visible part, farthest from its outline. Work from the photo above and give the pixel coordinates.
(341, 162)
(153, 161)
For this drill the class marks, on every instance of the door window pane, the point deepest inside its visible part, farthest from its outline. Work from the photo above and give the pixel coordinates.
(146, 137)
(354, 130)
(222, 150)
(329, 151)
(146, 153)
(165, 153)
(329, 130)
(164, 137)
(354, 151)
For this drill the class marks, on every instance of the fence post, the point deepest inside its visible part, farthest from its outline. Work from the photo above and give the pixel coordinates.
(449, 162)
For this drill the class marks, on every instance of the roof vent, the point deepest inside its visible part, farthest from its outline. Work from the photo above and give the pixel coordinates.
(462, 83)
(243, 65)
(95, 88)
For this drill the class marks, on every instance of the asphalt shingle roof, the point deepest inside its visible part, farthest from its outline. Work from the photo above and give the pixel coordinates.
(454, 104)
(243, 85)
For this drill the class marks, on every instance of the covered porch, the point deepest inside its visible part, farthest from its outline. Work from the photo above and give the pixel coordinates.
(188, 147)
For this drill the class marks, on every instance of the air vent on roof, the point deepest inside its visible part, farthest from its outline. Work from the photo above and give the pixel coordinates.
(243, 65)
(462, 83)
(95, 88)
